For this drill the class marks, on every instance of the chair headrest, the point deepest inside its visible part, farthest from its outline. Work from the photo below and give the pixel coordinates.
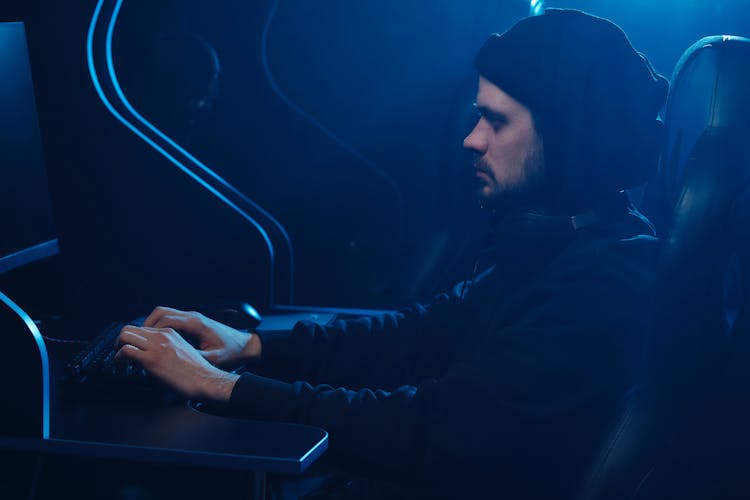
(709, 97)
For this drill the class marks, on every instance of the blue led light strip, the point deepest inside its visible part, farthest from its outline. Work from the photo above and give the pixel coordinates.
(28, 255)
(44, 358)
(123, 100)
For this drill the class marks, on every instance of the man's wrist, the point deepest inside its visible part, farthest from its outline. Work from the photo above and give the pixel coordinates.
(252, 348)
(219, 387)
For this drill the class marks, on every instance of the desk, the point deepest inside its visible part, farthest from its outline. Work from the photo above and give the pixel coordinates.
(173, 433)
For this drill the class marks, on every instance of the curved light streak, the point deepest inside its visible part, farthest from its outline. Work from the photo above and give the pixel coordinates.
(44, 358)
(28, 255)
(166, 154)
(307, 116)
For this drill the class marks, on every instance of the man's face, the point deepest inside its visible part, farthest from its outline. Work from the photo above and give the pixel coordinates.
(509, 152)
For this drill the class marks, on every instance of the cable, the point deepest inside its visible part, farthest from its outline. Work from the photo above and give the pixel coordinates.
(317, 124)
(35, 476)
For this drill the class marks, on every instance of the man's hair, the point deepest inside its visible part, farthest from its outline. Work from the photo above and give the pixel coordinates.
(594, 98)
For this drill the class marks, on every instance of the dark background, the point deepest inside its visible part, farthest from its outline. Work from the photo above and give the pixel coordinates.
(342, 118)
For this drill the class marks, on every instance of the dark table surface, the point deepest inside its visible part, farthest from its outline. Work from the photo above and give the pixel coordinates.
(153, 425)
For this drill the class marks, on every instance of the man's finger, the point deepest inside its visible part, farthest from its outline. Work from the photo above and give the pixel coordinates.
(146, 330)
(212, 355)
(173, 321)
(133, 338)
(130, 352)
(157, 313)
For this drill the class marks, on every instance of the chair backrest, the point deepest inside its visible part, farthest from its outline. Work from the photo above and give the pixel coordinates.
(705, 169)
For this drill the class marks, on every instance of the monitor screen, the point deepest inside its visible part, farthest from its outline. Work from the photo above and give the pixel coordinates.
(26, 228)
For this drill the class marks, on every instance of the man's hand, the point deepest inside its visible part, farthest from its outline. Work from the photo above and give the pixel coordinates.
(165, 354)
(218, 343)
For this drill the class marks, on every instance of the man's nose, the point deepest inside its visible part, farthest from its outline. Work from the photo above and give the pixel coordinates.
(474, 141)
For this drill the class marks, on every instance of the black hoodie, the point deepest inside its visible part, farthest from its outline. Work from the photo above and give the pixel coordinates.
(505, 388)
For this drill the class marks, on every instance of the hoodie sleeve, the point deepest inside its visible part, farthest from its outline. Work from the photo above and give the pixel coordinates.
(386, 350)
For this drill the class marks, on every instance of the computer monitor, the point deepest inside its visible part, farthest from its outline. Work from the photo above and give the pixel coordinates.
(27, 231)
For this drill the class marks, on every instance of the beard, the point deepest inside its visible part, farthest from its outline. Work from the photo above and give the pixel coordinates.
(527, 191)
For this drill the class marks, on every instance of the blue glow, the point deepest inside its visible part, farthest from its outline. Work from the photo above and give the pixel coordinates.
(536, 7)
(161, 150)
(44, 358)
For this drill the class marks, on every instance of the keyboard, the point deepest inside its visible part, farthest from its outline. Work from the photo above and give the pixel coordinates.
(95, 362)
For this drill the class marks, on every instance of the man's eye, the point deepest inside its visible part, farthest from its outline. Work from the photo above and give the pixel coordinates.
(496, 124)
(495, 121)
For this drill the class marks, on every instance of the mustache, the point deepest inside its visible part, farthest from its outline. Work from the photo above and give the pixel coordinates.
(481, 164)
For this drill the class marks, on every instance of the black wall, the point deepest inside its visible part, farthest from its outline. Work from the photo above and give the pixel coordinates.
(343, 119)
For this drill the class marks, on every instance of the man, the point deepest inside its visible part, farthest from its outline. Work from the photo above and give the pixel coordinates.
(506, 383)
